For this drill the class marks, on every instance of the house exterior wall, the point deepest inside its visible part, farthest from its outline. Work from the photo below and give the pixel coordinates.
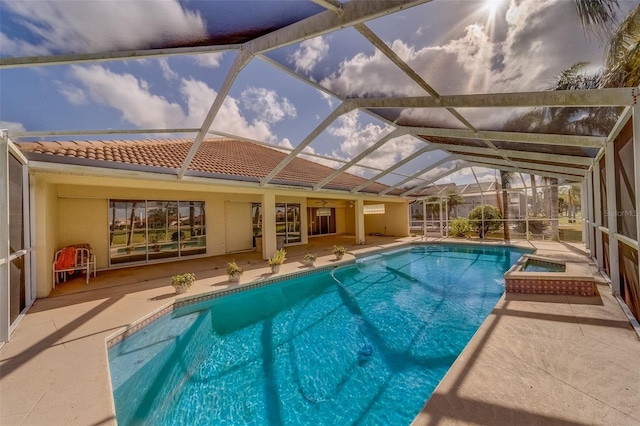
(341, 221)
(393, 222)
(395, 218)
(46, 233)
(350, 220)
(73, 209)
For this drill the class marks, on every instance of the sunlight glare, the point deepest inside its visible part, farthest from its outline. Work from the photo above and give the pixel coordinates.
(492, 7)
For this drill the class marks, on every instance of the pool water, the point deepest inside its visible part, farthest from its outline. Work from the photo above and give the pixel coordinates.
(362, 344)
(538, 266)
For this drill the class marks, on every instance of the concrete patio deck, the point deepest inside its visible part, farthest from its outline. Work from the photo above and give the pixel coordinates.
(558, 360)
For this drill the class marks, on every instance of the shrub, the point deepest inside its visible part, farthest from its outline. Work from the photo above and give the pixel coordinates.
(278, 258)
(492, 219)
(537, 225)
(460, 227)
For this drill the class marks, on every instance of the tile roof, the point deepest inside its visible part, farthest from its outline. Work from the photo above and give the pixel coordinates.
(220, 158)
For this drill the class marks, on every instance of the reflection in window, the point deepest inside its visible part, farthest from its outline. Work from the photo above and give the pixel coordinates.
(288, 222)
(142, 230)
(256, 219)
(321, 220)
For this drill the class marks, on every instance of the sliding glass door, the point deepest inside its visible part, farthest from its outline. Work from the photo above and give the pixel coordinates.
(321, 220)
(144, 230)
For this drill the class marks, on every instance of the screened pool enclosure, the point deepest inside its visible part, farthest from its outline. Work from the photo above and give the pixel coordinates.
(407, 95)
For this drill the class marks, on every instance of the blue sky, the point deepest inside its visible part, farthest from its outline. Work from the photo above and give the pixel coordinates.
(458, 47)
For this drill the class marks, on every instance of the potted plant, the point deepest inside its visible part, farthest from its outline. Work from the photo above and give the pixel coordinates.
(234, 271)
(309, 259)
(339, 251)
(182, 283)
(276, 260)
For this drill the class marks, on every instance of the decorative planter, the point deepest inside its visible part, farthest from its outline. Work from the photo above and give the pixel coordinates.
(339, 256)
(275, 269)
(234, 278)
(181, 289)
(308, 262)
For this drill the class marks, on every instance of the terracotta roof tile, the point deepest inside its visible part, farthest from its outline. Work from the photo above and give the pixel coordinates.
(216, 156)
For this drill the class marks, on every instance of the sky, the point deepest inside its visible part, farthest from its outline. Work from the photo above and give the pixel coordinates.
(458, 47)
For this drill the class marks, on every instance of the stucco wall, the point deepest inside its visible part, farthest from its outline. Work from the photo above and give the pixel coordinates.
(72, 209)
(350, 220)
(395, 221)
(46, 233)
(82, 220)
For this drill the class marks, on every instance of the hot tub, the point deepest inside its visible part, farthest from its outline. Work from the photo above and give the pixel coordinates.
(541, 275)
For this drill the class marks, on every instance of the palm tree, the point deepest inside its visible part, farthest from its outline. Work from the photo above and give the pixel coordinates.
(622, 66)
(534, 195)
(453, 199)
(598, 16)
(623, 57)
(505, 182)
(553, 201)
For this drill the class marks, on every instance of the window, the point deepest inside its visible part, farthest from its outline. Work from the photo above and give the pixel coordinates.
(373, 209)
(288, 222)
(144, 230)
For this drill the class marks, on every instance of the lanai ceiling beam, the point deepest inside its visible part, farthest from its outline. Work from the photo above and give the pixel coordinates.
(418, 174)
(333, 5)
(239, 63)
(343, 108)
(354, 12)
(404, 67)
(531, 138)
(437, 178)
(515, 155)
(514, 163)
(392, 168)
(100, 132)
(386, 138)
(621, 96)
(393, 57)
(488, 165)
(35, 61)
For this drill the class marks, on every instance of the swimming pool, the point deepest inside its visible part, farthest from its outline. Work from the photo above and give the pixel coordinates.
(365, 343)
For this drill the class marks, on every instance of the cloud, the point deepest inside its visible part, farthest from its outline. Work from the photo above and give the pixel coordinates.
(327, 97)
(229, 119)
(355, 137)
(12, 126)
(466, 176)
(209, 60)
(537, 43)
(267, 104)
(286, 143)
(95, 26)
(309, 54)
(73, 94)
(373, 75)
(130, 96)
(15, 47)
(167, 72)
(133, 98)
